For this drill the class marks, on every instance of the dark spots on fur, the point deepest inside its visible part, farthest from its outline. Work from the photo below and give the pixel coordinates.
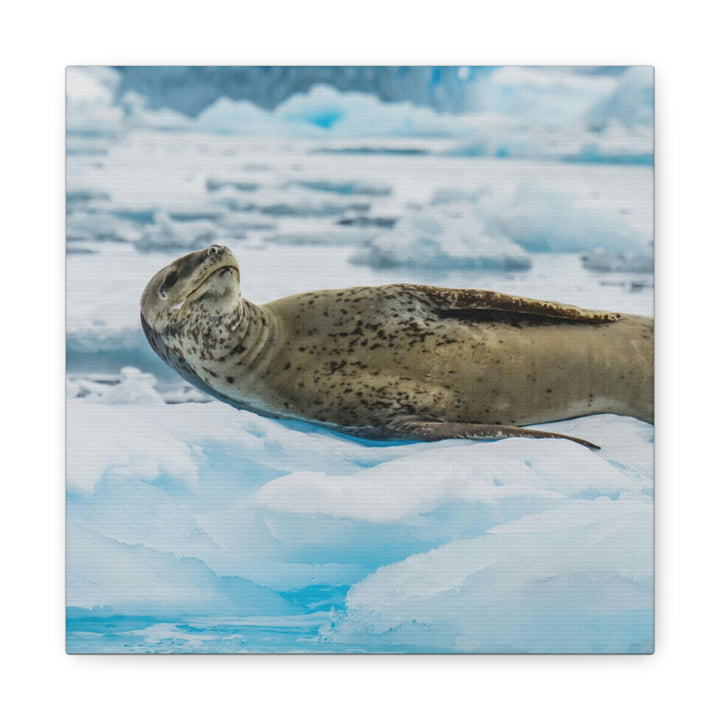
(210, 372)
(229, 379)
(238, 349)
(359, 364)
(302, 349)
(287, 366)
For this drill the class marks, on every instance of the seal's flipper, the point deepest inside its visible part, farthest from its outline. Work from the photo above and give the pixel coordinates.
(437, 430)
(449, 301)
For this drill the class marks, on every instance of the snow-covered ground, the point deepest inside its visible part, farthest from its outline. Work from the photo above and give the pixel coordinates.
(193, 527)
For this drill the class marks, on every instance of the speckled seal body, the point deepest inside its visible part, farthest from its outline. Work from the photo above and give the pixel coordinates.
(404, 361)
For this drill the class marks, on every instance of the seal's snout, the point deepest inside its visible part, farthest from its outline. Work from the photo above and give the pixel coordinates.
(215, 248)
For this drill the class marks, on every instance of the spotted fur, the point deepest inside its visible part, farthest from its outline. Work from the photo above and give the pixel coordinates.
(398, 360)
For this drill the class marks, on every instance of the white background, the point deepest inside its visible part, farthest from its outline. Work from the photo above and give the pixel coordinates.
(39, 41)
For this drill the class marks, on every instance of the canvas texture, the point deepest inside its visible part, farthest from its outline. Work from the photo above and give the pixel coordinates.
(324, 328)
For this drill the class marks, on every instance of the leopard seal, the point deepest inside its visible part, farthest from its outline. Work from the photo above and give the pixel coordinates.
(398, 361)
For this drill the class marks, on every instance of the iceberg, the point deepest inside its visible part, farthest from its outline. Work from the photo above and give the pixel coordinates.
(604, 261)
(550, 113)
(545, 97)
(541, 219)
(442, 240)
(631, 104)
(354, 114)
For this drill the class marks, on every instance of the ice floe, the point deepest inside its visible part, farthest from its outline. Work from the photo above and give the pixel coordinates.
(443, 240)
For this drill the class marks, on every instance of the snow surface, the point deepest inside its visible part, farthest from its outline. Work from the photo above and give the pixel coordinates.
(193, 527)
(436, 540)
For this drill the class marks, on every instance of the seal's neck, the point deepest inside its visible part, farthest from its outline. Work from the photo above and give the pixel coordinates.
(246, 336)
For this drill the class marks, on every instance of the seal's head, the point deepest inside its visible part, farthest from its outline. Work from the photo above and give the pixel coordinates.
(190, 309)
(204, 283)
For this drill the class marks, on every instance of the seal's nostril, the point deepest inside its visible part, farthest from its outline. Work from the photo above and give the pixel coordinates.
(214, 248)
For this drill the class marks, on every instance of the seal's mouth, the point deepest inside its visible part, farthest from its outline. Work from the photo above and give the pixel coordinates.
(211, 274)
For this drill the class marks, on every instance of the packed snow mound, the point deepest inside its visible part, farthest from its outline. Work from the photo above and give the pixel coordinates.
(169, 436)
(288, 505)
(286, 201)
(236, 117)
(82, 225)
(577, 578)
(137, 115)
(139, 581)
(442, 240)
(131, 386)
(518, 468)
(187, 235)
(603, 261)
(631, 104)
(541, 219)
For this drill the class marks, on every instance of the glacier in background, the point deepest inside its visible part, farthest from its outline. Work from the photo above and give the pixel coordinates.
(571, 114)
(193, 527)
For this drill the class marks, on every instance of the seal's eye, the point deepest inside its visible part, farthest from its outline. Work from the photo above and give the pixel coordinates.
(170, 280)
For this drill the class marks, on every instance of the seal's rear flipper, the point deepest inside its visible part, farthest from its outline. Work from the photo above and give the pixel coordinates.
(438, 430)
